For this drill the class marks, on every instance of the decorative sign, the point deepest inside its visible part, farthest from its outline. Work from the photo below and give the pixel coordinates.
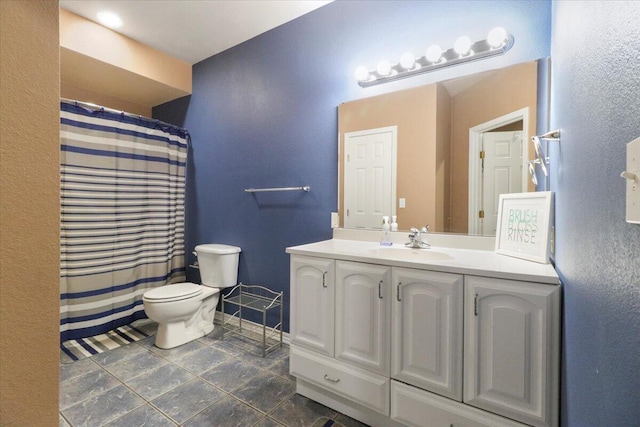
(524, 225)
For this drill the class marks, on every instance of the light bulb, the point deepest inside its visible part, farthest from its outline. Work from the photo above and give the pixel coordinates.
(434, 53)
(462, 45)
(407, 60)
(109, 19)
(383, 68)
(362, 74)
(497, 37)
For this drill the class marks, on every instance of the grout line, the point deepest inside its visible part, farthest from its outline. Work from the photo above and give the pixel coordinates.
(224, 394)
(234, 352)
(89, 397)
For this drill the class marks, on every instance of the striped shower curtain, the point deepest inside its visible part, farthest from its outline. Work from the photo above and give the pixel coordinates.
(122, 216)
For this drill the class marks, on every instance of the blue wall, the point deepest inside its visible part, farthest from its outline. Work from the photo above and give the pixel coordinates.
(596, 104)
(264, 114)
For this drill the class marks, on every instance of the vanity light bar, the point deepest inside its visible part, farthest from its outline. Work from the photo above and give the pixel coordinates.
(497, 42)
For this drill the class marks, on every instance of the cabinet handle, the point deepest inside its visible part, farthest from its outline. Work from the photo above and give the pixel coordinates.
(475, 305)
(380, 289)
(326, 378)
(324, 279)
(398, 291)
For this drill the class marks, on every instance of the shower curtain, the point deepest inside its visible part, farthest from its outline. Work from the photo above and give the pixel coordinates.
(122, 216)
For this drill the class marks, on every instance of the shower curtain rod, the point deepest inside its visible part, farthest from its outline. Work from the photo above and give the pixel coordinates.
(96, 107)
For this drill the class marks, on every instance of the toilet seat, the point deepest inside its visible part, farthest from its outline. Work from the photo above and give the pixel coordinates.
(174, 292)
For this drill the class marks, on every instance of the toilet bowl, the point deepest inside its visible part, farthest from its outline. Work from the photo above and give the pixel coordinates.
(185, 311)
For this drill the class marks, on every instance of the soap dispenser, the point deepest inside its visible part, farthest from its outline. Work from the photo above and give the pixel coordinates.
(385, 241)
(394, 223)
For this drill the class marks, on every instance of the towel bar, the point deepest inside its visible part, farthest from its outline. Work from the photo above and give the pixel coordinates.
(260, 190)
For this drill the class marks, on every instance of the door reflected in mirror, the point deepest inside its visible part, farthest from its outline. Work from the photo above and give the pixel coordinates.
(458, 145)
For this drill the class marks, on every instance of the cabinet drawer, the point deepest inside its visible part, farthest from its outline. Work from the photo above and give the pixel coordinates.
(366, 388)
(414, 407)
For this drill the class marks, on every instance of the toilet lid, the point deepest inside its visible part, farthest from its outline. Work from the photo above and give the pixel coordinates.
(218, 249)
(173, 292)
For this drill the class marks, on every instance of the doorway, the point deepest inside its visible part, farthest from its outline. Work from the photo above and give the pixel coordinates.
(498, 152)
(369, 176)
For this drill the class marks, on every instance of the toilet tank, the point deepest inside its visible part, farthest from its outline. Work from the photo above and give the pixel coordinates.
(218, 264)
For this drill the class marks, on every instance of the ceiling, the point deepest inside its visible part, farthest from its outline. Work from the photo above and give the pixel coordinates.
(193, 30)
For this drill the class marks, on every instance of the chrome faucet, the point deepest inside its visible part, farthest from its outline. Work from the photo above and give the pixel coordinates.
(415, 238)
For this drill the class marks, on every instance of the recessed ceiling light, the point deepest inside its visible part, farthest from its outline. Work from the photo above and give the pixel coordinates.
(109, 19)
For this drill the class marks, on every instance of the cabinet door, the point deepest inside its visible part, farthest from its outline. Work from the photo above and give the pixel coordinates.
(312, 303)
(427, 330)
(363, 321)
(511, 342)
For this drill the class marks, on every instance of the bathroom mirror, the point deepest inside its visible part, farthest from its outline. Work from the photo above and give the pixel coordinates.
(440, 154)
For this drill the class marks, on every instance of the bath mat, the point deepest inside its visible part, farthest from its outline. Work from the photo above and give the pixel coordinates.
(73, 350)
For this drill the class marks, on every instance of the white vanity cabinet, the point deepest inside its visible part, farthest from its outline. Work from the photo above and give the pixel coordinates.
(360, 314)
(511, 349)
(466, 342)
(427, 330)
(312, 303)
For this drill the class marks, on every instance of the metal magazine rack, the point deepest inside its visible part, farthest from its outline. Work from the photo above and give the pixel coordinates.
(259, 299)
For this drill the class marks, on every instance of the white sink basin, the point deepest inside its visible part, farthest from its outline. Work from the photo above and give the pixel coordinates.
(402, 253)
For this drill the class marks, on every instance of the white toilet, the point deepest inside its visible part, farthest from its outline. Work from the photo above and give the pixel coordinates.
(185, 311)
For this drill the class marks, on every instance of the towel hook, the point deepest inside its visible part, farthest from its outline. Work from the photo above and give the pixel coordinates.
(540, 158)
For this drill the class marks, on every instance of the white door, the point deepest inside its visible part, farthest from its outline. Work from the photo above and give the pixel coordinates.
(363, 315)
(501, 173)
(511, 346)
(426, 350)
(369, 177)
(312, 303)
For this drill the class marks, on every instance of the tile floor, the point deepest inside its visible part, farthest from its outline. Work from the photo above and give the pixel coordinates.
(207, 382)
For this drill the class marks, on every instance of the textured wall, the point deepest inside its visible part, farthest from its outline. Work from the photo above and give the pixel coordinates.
(264, 114)
(596, 104)
(29, 212)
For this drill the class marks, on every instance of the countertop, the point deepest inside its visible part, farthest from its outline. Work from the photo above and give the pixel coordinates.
(449, 260)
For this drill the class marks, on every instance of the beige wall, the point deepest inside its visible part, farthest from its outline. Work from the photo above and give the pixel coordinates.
(106, 68)
(95, 41)
(443, 161)
(79, 94)
(29, 213)
(509, 93)
(413, 111)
